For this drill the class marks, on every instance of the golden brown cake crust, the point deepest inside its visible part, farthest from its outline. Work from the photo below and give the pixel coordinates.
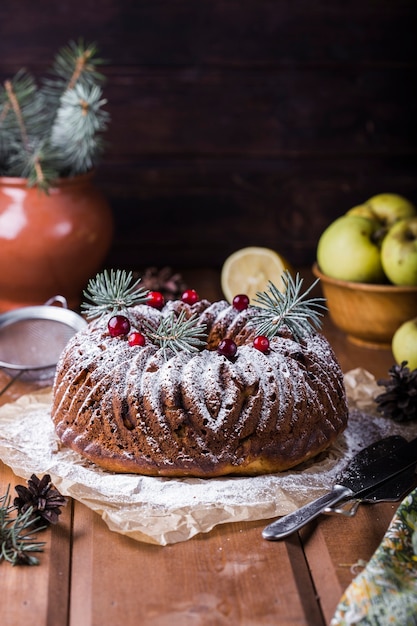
(128, 410)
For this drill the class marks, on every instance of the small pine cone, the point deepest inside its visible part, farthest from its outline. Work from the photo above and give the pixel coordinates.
(42, 496)
(399, 401)
(170, 284)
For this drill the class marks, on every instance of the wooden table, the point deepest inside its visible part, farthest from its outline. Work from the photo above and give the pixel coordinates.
(90, 576)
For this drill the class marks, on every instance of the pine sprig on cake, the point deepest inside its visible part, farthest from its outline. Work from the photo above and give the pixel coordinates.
(178, 334)
(112, 292)
(288, 307)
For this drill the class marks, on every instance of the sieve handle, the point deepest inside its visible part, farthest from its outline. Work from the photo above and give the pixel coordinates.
(11, 381)
(59, 299)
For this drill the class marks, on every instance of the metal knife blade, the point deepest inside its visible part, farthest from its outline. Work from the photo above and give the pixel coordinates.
(355, 481)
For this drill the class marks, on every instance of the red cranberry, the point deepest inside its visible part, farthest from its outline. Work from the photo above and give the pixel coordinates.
(241, 302)
(227, 348)
(261, 343)
(136, 339)
(155, 299)
(190, 296)
(118, 325)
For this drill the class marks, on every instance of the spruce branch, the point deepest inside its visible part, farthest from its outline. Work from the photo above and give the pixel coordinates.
(37, 165)
(55, 130)
(178, 334)
(289, 308)
(17, 543)
(36, 506)
(75, 135)
(84, 66)
(112, 292)
(78, 63)
(22, 108)
(14, 104)
(75, 64)
(22, 121)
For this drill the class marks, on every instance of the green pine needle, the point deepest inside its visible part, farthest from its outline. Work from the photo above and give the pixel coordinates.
(178, 334)
(288, 308)
(112, 292)
(17, 543)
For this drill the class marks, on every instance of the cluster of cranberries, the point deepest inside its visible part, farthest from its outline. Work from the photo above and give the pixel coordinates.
(119, 325)
(227, 347)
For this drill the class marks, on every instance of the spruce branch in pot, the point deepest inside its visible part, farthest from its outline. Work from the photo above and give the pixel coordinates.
(54, 130)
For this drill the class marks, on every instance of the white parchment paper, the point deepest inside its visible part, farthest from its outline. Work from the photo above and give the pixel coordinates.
(169, 510)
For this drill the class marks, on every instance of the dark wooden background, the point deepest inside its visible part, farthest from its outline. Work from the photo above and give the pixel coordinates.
(234, 123)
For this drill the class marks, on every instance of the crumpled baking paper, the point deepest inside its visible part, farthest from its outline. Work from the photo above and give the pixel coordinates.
(168, 510)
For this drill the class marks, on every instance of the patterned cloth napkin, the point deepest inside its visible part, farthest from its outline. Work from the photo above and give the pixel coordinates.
(385, 592)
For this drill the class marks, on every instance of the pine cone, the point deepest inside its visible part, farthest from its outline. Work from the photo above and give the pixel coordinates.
(170, 284)
(43, 497)
(399, 401)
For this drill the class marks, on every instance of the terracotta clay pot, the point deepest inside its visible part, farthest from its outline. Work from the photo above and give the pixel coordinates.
(51, 244)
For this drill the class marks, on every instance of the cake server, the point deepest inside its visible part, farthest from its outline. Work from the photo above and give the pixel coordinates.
(355, 481)
(392, 490)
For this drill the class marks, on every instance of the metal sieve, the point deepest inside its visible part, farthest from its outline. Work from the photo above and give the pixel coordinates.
(32, 339)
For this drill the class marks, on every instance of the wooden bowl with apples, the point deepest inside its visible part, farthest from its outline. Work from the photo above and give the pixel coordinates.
(367, 266)
(369, 314)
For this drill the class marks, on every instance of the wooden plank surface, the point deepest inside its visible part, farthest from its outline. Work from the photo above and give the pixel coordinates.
(229, 576)
(227, 33)
(281, 204)
(335, 548)
(237, 123)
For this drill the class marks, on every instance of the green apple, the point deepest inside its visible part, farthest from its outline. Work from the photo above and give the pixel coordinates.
(388, 208)
(349, 250)
(399, 252)
(404, 344)
(363, 210)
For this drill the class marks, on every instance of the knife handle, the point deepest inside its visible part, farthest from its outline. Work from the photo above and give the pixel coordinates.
(294, 521)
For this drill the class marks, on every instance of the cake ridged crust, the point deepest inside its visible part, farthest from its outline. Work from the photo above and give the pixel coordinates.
(128, 410)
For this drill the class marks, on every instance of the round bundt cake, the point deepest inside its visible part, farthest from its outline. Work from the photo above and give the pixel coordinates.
(239, 403)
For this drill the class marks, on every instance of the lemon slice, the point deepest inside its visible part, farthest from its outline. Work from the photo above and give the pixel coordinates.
(249, 270)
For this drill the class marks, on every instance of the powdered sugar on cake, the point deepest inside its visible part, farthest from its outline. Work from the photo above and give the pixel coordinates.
(128, 409)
